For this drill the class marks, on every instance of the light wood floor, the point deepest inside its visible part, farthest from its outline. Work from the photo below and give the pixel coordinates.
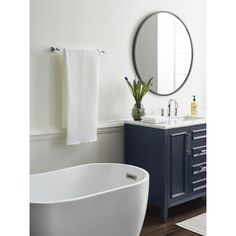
(154, 227)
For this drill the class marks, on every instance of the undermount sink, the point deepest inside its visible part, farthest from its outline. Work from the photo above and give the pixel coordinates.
(182, 121)
(166, 119)
(169, 122)
(186, 118)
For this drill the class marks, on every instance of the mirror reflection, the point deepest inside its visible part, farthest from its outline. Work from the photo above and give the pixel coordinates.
(163, 50)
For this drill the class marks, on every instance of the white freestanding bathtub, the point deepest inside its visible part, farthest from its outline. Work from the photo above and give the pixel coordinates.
(101, 199)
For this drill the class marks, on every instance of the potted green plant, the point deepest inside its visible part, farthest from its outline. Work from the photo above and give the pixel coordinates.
(138, 90)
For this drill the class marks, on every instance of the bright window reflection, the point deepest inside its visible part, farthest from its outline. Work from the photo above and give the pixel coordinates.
(173, 53)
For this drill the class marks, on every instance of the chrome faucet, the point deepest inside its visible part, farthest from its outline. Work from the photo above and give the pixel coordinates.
(169, 107)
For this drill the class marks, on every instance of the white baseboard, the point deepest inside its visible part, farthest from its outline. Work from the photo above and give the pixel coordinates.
(112, 126)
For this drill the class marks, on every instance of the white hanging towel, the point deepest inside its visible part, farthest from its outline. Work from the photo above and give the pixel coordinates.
(80, 95)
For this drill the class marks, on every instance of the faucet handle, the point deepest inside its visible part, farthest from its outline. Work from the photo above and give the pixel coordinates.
(162, 111)
(176, 108)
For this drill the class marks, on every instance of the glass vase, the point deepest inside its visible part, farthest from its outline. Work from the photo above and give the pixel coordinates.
(138, 111)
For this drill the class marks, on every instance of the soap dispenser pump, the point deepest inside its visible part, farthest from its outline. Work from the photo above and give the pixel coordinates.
(194, 106)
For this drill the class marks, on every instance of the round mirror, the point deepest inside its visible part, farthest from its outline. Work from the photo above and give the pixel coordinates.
(163, 50)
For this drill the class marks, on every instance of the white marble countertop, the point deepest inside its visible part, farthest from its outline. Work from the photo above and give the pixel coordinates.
(171, 123)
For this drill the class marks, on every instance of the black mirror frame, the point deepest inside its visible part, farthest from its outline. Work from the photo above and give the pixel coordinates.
(135, 42)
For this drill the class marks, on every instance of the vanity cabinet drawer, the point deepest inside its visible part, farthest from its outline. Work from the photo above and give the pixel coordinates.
(199, 134)
(198, 169)
(199, 151)
(198, 185)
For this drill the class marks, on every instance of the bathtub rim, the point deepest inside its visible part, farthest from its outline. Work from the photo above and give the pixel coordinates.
(146, 178)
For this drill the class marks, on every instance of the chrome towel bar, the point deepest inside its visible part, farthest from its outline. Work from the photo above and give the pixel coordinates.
(55, 49)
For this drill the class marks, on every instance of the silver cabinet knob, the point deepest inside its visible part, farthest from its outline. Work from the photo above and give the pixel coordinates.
(203, 168)
(202, 150)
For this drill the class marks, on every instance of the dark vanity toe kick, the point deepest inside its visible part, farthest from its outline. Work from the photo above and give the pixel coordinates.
(189, 198)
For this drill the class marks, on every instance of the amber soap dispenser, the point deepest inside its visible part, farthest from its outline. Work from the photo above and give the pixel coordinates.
(194, 107)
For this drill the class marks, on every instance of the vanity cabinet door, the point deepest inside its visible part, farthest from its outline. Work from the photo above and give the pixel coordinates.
(178, 164)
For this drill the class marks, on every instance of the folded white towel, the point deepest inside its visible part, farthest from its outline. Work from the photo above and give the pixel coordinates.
(80, 95)
(154, 119)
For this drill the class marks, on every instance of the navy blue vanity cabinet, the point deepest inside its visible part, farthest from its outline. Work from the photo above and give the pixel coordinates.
(175, 159)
